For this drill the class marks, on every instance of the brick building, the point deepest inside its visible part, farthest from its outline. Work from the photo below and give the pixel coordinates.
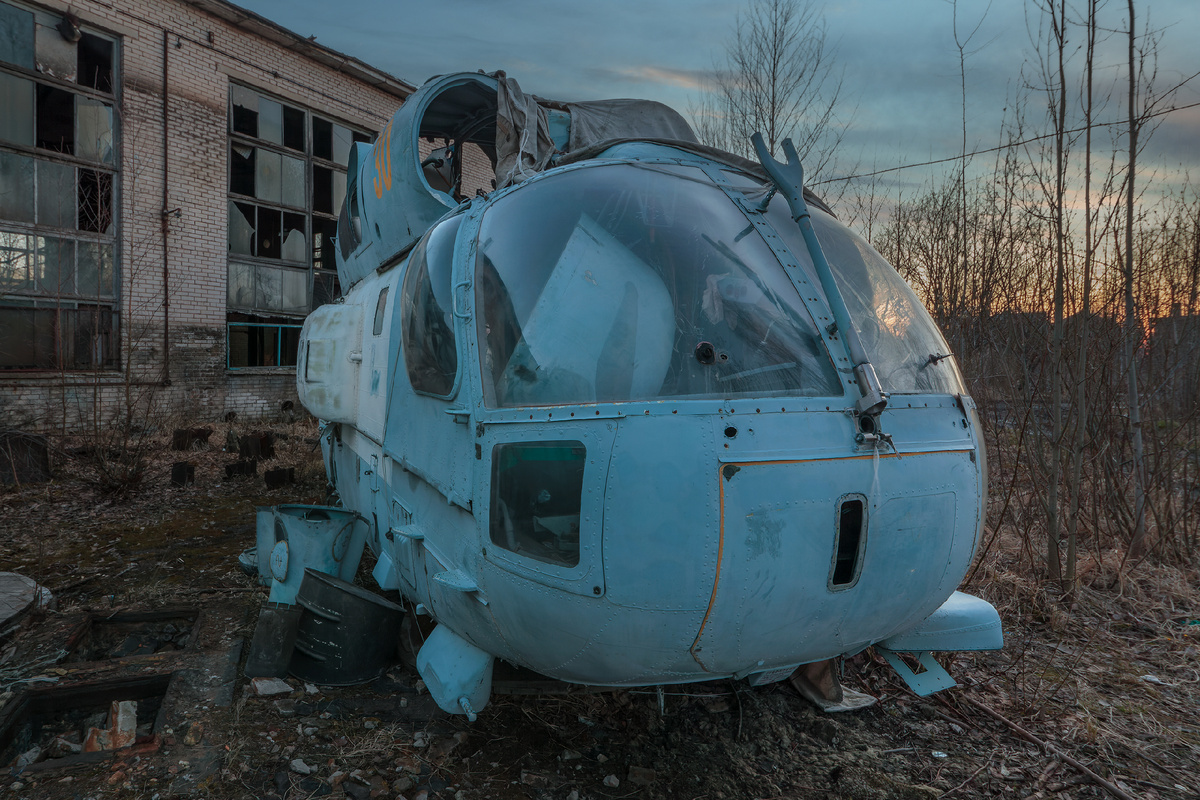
(170, 177)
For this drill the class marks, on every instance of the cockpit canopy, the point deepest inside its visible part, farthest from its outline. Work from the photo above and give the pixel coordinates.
(632, 281)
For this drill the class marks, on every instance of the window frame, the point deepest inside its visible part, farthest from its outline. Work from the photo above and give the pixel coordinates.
(95, 224)
(266, 304)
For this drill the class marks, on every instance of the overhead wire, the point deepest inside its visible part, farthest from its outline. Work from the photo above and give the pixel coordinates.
(998, 148)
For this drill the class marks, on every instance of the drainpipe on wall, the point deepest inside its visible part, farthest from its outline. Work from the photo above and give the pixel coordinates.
(166, 214)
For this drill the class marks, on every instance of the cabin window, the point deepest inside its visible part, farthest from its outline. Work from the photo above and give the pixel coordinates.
(286, 186)
(380, 308)
(537, 493)
(896, 330)
(59, 262)
(633, 282)
(427, 311)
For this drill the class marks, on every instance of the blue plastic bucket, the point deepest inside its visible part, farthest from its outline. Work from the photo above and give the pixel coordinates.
(328, 540)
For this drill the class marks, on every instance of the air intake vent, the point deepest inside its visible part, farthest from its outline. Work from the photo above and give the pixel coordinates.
(851, 538)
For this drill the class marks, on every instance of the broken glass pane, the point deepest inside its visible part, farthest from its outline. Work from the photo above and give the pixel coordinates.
(16, 262)
(294, 290)
(240, 290)
(95, 63)
(55, 267)
(16, 36)
(323, 190)
(325, 288)
(293, 238)
(53, 54)
(241, 169)
(268, 184)
(95, 269)
(241, 228)
(55, 119)
(267, 288)
(245, 110)
(269, 224)
(270, 121)
(16, 98)
(322, 243)
(293, 128)
(341, 144)
(94, 138)
(95, 201)
(16, 187)
(322, 138)
(55, 194)
(293, 182)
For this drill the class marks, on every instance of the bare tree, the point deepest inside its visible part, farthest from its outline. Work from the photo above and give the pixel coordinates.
(1137, 543)
(777, 77)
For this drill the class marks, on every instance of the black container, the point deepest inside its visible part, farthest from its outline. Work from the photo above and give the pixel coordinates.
(347, 635)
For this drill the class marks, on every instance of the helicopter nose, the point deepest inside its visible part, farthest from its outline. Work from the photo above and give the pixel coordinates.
(821, 556)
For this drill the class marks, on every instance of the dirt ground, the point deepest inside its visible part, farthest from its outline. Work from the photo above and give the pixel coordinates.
(147, 586)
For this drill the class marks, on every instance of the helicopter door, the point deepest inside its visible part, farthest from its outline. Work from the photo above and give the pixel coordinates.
(540, 494)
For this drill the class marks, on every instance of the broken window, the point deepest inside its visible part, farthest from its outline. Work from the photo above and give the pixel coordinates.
(323, 190)
(322, 138)
(293, 128)
(241, 228)
(536, 498)
(282, 211)
(54, 55)
(58, 275)
(326, 288)
(270, 222)
(241, 170)
(294, 243)
(261, 344)
(324, 232)
(55, 119)
(95, 63)
(95, 201)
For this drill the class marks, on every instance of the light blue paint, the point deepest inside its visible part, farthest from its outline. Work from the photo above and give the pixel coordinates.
(704, 542)
(329, 540)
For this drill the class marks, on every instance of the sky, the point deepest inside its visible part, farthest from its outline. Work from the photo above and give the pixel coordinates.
(897, 58)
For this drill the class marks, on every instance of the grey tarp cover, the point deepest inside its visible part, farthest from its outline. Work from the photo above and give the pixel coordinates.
(523, 144)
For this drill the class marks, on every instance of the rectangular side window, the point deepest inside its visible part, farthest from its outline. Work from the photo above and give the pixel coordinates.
(537, 494)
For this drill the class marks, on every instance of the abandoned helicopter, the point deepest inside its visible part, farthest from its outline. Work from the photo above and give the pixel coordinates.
(644, 412)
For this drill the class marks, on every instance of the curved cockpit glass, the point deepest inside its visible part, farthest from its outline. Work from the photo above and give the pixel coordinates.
(427, 309)
(622, 282)
(908, 352)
